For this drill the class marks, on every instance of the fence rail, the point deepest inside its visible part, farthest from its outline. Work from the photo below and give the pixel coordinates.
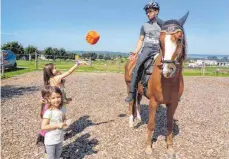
(116, 64)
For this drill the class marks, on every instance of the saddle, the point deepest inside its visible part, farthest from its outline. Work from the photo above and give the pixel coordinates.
(146, 71)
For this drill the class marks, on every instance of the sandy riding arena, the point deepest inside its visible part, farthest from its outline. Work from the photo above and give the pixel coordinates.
(100, 119)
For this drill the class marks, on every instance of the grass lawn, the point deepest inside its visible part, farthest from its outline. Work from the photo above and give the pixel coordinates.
(102, 66)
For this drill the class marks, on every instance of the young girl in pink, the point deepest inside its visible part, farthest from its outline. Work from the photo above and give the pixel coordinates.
(53, 122)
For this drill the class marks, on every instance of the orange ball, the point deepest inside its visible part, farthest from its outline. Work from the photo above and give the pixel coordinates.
(92, 37)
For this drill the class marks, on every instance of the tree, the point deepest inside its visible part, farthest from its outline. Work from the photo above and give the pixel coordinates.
(48, 52)
(71, 55)
(15, 47)
(107, 57)
(55, 53)
(93, 56)
(101, 57)
(30, 51)
(62, 53)
(224, 59)
(85, 56)
(212, 58)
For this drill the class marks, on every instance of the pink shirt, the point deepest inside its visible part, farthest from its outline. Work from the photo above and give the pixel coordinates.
(42, 132)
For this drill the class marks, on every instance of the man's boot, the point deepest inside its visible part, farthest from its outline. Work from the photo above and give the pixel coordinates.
(132, 93)
(130, 97)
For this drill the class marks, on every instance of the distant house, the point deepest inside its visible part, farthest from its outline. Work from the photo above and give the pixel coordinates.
(210, 62)
(42, 57)
(192, 65)
(206, 62)
(223, 64)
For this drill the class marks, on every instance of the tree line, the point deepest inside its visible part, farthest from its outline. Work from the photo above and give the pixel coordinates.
(49, 52)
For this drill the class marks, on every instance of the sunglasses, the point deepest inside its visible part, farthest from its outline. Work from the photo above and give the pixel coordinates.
(150, 11)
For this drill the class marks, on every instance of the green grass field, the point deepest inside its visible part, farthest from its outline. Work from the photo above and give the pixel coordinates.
(101, 66)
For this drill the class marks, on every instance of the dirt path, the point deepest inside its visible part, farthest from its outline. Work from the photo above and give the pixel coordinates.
(100, 128)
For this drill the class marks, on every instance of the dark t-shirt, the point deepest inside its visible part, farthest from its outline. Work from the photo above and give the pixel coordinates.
(151, 32)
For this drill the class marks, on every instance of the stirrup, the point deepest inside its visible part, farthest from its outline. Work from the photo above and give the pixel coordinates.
(129, 99)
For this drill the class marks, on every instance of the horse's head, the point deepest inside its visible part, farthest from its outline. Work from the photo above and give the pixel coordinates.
(172, 41)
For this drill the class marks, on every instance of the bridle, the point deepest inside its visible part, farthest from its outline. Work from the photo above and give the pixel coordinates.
(170, 29)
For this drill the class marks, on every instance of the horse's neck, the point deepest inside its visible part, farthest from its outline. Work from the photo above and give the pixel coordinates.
(156, 74)
(158, 63)
(181, 65)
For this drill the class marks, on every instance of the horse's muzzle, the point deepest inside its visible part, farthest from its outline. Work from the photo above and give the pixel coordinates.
(169, 70)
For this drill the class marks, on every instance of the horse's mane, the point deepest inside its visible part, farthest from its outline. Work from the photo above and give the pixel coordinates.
(185, 46)
(173, 21)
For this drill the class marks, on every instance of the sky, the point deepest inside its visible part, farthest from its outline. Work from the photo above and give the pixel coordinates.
(65, 23)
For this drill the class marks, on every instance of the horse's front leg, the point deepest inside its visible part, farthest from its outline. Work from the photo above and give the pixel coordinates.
(151, 125)
(171, 108)
(181, 88)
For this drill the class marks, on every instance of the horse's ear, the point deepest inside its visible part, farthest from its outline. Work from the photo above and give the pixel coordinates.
(183, 19)
(160, 22)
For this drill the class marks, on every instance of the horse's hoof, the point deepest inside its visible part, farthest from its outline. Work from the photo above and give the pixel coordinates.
(131, 124)
(131, 121)
(139, 118)
(148, 150)
(171, 154)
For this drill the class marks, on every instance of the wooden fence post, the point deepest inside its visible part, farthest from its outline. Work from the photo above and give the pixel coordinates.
(36, 61)
(119, 63)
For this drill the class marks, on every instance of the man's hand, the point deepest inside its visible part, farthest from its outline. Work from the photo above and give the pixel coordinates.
(133, 56)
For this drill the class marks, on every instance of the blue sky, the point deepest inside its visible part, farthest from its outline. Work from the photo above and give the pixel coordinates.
(65, 23)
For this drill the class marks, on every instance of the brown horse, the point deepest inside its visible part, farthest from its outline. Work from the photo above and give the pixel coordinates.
(165, 85)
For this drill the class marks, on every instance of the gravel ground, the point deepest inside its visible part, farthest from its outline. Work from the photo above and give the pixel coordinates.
(100, 119)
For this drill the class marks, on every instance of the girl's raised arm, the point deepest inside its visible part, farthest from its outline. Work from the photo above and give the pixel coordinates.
(65, 74)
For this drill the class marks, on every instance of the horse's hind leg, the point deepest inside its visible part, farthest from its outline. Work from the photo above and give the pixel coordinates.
(132, 109)
(132, 113)
(139, 98)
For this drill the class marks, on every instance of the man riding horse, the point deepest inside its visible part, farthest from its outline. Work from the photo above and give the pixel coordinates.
(148, 42)
(165, 83)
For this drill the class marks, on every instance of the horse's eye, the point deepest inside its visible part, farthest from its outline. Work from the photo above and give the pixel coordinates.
(179, 40)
